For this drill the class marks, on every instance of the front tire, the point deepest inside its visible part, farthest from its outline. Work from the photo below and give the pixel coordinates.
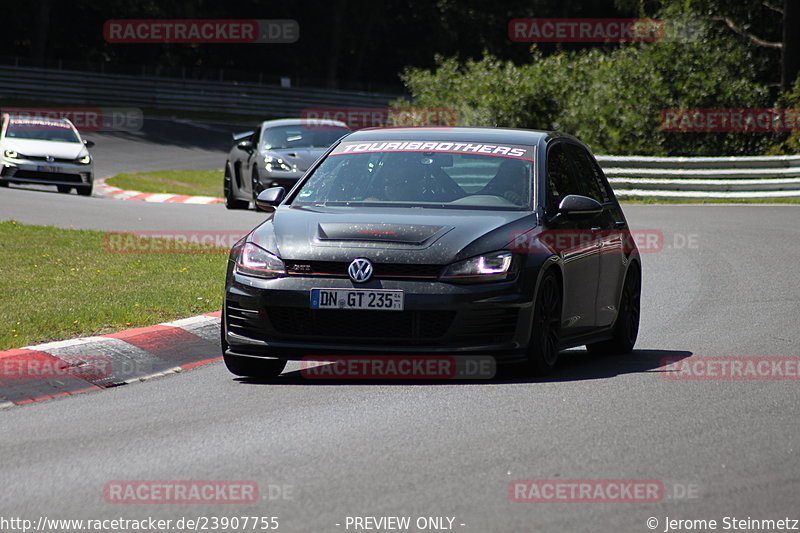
(257, 187)
(546, 331)
(626, 326)
(84, 191)
(64, 189)
(231, 202)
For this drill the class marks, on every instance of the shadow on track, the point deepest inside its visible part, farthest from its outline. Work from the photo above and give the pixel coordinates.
(39, 187)
(573, 365)
(179, 133)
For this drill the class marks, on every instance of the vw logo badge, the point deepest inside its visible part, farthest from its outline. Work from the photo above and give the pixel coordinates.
(50, 158)
(360, 270)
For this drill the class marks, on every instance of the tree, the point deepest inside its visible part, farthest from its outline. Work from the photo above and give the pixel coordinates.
(790, 60)
(761, 23)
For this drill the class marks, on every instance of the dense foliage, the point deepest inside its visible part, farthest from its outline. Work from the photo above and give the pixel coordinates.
(457, 53)
(613, 97)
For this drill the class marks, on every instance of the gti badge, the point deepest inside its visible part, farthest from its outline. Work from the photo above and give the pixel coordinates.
(360, 270)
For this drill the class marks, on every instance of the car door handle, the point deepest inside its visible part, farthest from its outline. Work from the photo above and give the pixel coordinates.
(619, 224)
(598, 241)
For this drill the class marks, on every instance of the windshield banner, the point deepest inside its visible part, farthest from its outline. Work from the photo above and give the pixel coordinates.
(457, 147)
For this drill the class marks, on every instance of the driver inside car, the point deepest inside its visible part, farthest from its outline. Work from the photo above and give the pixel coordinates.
(510, 182)
(400, 184)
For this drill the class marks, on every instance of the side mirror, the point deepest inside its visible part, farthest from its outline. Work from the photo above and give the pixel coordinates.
(268, 199)
(88, 143)
(243, 135)
(577, 206)
(245, 145)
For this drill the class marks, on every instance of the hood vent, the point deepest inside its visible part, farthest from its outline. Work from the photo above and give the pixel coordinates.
(397, 233)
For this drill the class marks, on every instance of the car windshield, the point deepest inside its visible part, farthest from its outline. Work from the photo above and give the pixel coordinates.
(279, 137)
(41, 130)
(437, 178)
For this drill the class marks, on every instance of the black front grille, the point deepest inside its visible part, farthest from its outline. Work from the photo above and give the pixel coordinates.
(380, 270)
(44, 158)
(378, 326)
(414, 271)
(243, 321)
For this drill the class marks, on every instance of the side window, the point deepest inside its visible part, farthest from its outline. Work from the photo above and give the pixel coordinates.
(561, 177)
(608, 194)
(588, 174)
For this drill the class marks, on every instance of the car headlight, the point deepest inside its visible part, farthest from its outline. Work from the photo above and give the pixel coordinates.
(252, 260)
(496, 266)
(12, 154)
(85, 160)
(276, 163)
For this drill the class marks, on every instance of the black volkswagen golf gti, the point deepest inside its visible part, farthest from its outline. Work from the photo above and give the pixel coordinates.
(431, 241)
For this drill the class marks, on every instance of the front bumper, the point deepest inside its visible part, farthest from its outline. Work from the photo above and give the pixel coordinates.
(43, 172)
(277, 178)
(273, 318)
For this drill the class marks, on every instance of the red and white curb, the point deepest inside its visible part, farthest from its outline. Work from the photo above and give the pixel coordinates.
(101, 188)
(45, 371)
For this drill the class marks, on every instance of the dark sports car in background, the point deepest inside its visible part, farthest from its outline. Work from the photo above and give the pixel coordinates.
(458, 241)
(277, 154)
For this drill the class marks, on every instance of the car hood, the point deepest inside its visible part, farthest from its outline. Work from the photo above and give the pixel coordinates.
(303, 158)
(62, 150)
(396, 235)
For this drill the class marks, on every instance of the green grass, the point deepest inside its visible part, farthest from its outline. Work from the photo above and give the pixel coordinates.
(59, 284)
(637, 200)
(209, 183)
(191, 182)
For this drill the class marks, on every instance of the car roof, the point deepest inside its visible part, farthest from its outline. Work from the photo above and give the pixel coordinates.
(302, 122)
(464, 134)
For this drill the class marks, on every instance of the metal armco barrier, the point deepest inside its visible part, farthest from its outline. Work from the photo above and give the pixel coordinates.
(94, 89)
(703, 177)
(640, 176)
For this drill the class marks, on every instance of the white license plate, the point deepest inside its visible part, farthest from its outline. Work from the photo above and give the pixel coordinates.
(372, 299)
(48, 169)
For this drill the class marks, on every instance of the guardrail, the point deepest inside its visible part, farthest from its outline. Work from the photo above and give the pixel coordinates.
(703, 177)
(639, 176)
(95, 89)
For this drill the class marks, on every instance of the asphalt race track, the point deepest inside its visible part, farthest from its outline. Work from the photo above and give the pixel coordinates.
(163, 144)
(724, 284)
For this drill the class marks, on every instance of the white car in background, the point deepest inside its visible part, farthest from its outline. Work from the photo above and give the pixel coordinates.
(45, 151)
